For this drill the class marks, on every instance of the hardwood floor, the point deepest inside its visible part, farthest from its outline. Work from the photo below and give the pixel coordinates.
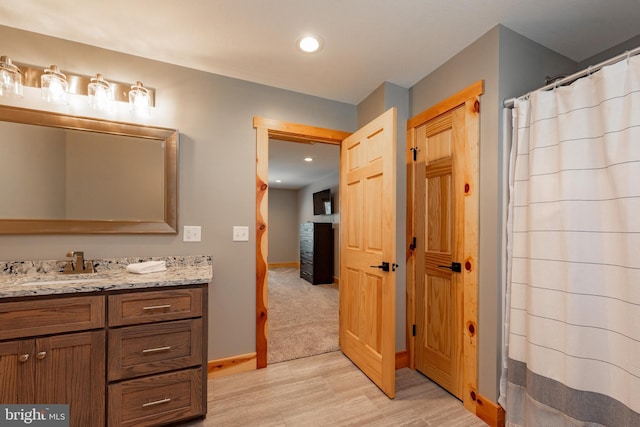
(328, 390)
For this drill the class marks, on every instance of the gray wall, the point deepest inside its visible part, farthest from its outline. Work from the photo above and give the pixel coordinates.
(372, 106)
(510, 65)
(630, 44)
(214, 115)
(284, 243)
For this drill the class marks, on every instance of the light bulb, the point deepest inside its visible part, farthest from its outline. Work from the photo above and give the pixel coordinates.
(100, 93)
(54, 85)
(10, 78)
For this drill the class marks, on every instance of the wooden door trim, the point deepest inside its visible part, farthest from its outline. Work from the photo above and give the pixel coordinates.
(286, 131)
(470, 92)
(469, 98)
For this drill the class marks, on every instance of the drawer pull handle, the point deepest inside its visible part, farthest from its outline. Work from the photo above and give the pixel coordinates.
(41, 355)
(156, 307)
(23, 357)
(155, 350)
(157, 402)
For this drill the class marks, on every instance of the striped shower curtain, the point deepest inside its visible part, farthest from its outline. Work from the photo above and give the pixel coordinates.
(573, 263)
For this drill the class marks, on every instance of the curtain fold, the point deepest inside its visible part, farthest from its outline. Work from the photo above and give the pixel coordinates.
(573, 254)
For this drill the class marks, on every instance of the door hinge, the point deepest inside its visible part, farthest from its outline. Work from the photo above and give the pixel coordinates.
(413, 244)
(415, 153)
(413, 330)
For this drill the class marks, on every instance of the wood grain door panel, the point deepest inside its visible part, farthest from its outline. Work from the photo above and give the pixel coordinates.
(17, 384)
(367, 236)
(70, 369)
(440, 223)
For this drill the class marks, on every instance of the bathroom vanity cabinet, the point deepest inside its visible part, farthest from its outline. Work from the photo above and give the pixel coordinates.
(44, 359)
(156, 356)
(121, 358)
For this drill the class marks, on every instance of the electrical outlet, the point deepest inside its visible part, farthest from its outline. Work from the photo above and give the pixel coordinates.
(191, 233)
(240, 233)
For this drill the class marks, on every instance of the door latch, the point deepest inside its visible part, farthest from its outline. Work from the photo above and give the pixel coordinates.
(456, 267)
(384, 266)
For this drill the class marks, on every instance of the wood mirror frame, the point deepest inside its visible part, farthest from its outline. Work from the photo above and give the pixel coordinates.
(167, 225)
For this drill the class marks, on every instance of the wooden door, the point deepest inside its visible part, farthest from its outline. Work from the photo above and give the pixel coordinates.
(16, 372)
(440, 228)
(367, 240)
(70, 369)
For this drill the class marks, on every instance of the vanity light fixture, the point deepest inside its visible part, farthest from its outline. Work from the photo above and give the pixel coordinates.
(100, 93)
(10, 78)
(57, 87)
(308, 159)
(54, 85)
(139, 99)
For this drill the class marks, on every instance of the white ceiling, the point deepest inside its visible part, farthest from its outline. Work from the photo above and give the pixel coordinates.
(366, 42)
(286, 163)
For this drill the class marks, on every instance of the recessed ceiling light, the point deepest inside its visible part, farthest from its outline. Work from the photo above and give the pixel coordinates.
(308, 159)
(278, 180)
(309, 44)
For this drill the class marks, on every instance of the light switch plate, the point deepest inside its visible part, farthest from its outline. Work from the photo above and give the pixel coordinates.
(191, 233)
(240, 233)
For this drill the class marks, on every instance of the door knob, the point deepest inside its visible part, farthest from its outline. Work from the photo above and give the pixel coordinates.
(23, 357)
(41, 355)
(456, 267)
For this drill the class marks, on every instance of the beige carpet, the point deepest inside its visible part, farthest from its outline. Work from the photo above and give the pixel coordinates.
(303, 318)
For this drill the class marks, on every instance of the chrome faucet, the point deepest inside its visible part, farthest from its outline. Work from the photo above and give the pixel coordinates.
(77, 265)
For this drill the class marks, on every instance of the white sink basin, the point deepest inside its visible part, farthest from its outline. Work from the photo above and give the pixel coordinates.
(69, 281)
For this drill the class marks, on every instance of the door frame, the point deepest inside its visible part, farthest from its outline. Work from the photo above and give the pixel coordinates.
(285, 131)
(469, 98)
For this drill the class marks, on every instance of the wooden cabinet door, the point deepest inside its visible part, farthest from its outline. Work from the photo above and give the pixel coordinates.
(16, 372)
(70, 369)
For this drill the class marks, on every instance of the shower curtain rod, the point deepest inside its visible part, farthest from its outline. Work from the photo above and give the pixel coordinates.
(508, 103)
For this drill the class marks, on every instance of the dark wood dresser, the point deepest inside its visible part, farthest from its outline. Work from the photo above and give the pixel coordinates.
(316, 252)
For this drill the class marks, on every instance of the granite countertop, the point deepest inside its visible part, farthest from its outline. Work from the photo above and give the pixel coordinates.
(34, 278)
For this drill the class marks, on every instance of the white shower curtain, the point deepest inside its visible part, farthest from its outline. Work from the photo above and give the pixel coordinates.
(573, 279)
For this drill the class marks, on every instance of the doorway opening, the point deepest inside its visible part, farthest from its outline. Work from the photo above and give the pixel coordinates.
(284, 131)
(303, 250)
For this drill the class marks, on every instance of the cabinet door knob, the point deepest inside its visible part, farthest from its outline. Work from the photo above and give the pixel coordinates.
(41, 355)
(23, 357)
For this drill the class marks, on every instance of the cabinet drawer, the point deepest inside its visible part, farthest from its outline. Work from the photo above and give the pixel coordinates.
(155, 306)
(306, 266)
(154, 348)
(157, 399)
(50, 316)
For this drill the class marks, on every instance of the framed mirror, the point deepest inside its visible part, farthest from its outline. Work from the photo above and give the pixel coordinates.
(62, 174)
